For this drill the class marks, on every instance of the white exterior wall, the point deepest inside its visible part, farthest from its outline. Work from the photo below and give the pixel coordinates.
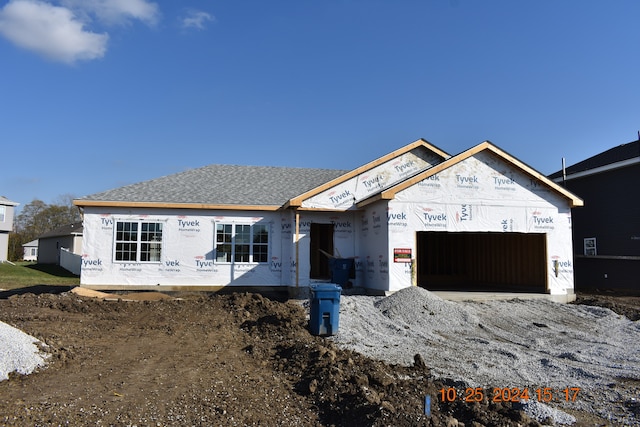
(76, 246)
(365, 239)
(188, 249)
(375, 247)
(27, 250)
(482, 194)
(4, 246)
(287, 248)
(344, 240)
(6, 226)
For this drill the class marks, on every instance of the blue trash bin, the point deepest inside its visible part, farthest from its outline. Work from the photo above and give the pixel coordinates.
(324, 311)
(341, 270)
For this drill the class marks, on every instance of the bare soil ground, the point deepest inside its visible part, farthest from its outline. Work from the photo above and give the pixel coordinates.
(220, 359)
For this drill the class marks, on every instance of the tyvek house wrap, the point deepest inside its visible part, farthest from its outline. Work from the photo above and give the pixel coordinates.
(479, 194)
(188, 250)
(346, 194)
(346, 243)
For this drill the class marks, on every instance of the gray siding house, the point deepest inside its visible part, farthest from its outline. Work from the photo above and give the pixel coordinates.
(68, 237)
(480, 220)
(30, 251)
(7, 209)
(606, 232)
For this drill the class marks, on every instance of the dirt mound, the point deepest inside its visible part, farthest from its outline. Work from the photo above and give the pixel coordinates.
(126, 296)
(628, 306)
(238, 359)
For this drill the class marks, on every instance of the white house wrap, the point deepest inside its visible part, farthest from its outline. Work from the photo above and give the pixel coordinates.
(480, 220)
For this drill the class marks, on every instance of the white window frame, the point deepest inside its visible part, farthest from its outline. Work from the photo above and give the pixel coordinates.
(232, 236)
(140, 238)
(3, 213)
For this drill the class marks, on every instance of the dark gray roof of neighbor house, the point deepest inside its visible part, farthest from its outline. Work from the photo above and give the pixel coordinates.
(65, 230)
(613, 155)
(222, 185)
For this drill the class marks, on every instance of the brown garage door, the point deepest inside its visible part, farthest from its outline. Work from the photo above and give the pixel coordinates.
(513, 262)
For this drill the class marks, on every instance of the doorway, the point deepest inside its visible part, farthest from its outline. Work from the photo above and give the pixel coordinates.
(321, 240)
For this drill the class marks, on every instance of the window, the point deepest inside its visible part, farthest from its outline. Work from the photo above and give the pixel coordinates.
(242, 243)
(590, 246)
(2, 210)
(138, 241)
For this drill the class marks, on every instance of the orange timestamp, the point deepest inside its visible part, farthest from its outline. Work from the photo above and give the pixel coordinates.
(509, 394)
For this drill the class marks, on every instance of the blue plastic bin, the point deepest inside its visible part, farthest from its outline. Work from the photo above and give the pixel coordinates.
(341, 270)
(324, 312)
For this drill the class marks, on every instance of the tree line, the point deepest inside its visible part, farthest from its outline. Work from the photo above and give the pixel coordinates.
(37, 218)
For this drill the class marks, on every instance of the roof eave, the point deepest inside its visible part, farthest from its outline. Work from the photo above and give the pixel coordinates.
(574, 201)
(390, 193)
(297, 201)
(600, 169)
(166, 205)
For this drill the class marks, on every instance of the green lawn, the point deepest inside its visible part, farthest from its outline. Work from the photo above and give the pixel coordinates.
(24, 274)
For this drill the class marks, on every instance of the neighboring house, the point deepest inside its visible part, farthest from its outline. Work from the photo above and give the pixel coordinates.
(30, 251)
(480, 220)
(606, 232)
(7, 208)
(50, 243)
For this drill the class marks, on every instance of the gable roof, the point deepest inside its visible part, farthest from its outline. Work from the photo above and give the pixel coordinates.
(297, 201)
(484, 146)
(616, 157)
(66, 230)
(272, 188)
(217, 187)
(7, 202)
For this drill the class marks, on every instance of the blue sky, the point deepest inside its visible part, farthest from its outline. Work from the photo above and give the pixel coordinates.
(97, 94)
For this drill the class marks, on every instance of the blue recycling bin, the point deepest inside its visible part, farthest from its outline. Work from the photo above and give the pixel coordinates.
(340, 270)
(324, 311)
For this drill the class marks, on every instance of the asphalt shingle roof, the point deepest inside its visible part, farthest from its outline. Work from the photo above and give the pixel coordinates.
(65, 230)
(613, 155)
(223, 185)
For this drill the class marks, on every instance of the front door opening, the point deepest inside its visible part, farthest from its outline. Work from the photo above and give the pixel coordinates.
(321, 240)
(512, 262)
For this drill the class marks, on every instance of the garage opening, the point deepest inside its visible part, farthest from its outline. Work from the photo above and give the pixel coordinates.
(461, 261)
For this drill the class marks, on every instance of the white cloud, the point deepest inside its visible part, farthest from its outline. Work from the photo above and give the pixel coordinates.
(117, 11)
(196, 19)
(58, 31)
(49, 30)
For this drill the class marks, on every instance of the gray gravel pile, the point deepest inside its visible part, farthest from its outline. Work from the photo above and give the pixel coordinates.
(420, 307)
(535, 344)
(19, 352)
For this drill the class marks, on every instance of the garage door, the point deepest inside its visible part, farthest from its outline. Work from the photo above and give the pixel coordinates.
(511, 262)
